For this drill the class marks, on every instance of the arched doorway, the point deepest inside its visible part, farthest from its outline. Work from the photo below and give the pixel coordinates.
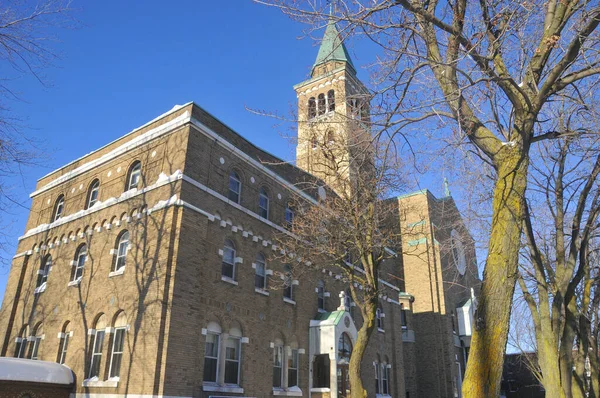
(344, 354)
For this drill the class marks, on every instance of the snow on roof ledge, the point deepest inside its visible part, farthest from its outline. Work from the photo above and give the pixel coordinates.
(27, 370)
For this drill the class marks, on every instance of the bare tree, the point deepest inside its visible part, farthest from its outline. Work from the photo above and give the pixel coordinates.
(351, 230)
(491, 68)
(25, 50)
(559, 277)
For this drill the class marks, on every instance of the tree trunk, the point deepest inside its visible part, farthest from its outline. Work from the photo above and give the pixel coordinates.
(358, 351)
(548, 360)
(486, 358)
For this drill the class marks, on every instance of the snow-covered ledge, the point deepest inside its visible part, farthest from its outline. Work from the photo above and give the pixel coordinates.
(227, 390)
(290, 392)
(95, 382)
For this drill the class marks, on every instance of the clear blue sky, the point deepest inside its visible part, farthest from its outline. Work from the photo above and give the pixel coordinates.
(131, 61)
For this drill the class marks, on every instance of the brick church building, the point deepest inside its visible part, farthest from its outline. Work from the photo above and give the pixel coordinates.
(146, 267)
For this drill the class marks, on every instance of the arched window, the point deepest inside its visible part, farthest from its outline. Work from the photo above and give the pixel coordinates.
(118, 345)
(263, 203)
(37, 341)
(321, 296)
(79, 263)
(235, 187)
(312, 108)
(344, 348)
(43, 273)
(377, 366)
(92, 196)
(96, 346)
(22, 343)
(134, 176)
(321, 104)
(331, 101)
(260, 279)
(121, 251)
(228, 265)
(65, 335)
(59, 208)
(211, 353)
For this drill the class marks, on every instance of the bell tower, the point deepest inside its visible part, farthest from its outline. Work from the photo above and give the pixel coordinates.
(333, 115)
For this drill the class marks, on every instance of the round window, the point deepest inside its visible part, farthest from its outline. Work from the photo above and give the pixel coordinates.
(458, 252)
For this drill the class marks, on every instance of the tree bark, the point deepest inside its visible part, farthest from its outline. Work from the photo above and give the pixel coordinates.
(358, 351)
(486, 358)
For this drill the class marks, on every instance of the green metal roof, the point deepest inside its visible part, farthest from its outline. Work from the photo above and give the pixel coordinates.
(334, 317)
(332, 47)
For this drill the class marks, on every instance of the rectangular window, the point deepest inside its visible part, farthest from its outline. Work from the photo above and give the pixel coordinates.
(228, 267)
(384, 380)
(289, 217)
(263, 204)
(36, 348)
(377, 379)
(321, 371)
(403, 319)
(21, 348)
(293, 369)
(64, 345)
(211, 357)
(96, 354)
(278, 367)
(232, 361)
(234, 189)
(117, 352)
(122, 253)
(260, 281)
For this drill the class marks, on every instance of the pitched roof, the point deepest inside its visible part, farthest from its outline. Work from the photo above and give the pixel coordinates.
(332, 47)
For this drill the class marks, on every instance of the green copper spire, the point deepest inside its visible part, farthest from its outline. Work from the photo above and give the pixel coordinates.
(333, 48)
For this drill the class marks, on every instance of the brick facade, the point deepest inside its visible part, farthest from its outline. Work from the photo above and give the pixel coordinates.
(157, 307)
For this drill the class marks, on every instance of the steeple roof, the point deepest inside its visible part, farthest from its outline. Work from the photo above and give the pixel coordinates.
(332, 47)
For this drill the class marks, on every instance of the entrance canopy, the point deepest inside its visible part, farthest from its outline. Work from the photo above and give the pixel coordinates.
(27, 370)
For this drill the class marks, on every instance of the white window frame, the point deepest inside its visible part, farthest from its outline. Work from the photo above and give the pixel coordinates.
(121, 253)
(23, 344)
(79, 263)
(261, 263)
(37, 340)
(96, 356)
(64, 346)
(218, 342)
(377, 378)
(113, 352)
(93, 194)
(45, 270)
(135, 174)
(237, 179)
(294, 354)
(380, 320)
(228, 245)
(59, 208)
(238, 341)
(278, 349)
(385, 380)
(264, 203)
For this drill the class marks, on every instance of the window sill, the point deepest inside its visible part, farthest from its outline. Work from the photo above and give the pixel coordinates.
(117, 273)
(321, 311)
(289, 301)
(261, 291)
(228, 280)
(382, 395)
(40, 289)
(291, 392)
(229, 390)
(76, 282)
(381, 330)
(94, 382)
(320, 389)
